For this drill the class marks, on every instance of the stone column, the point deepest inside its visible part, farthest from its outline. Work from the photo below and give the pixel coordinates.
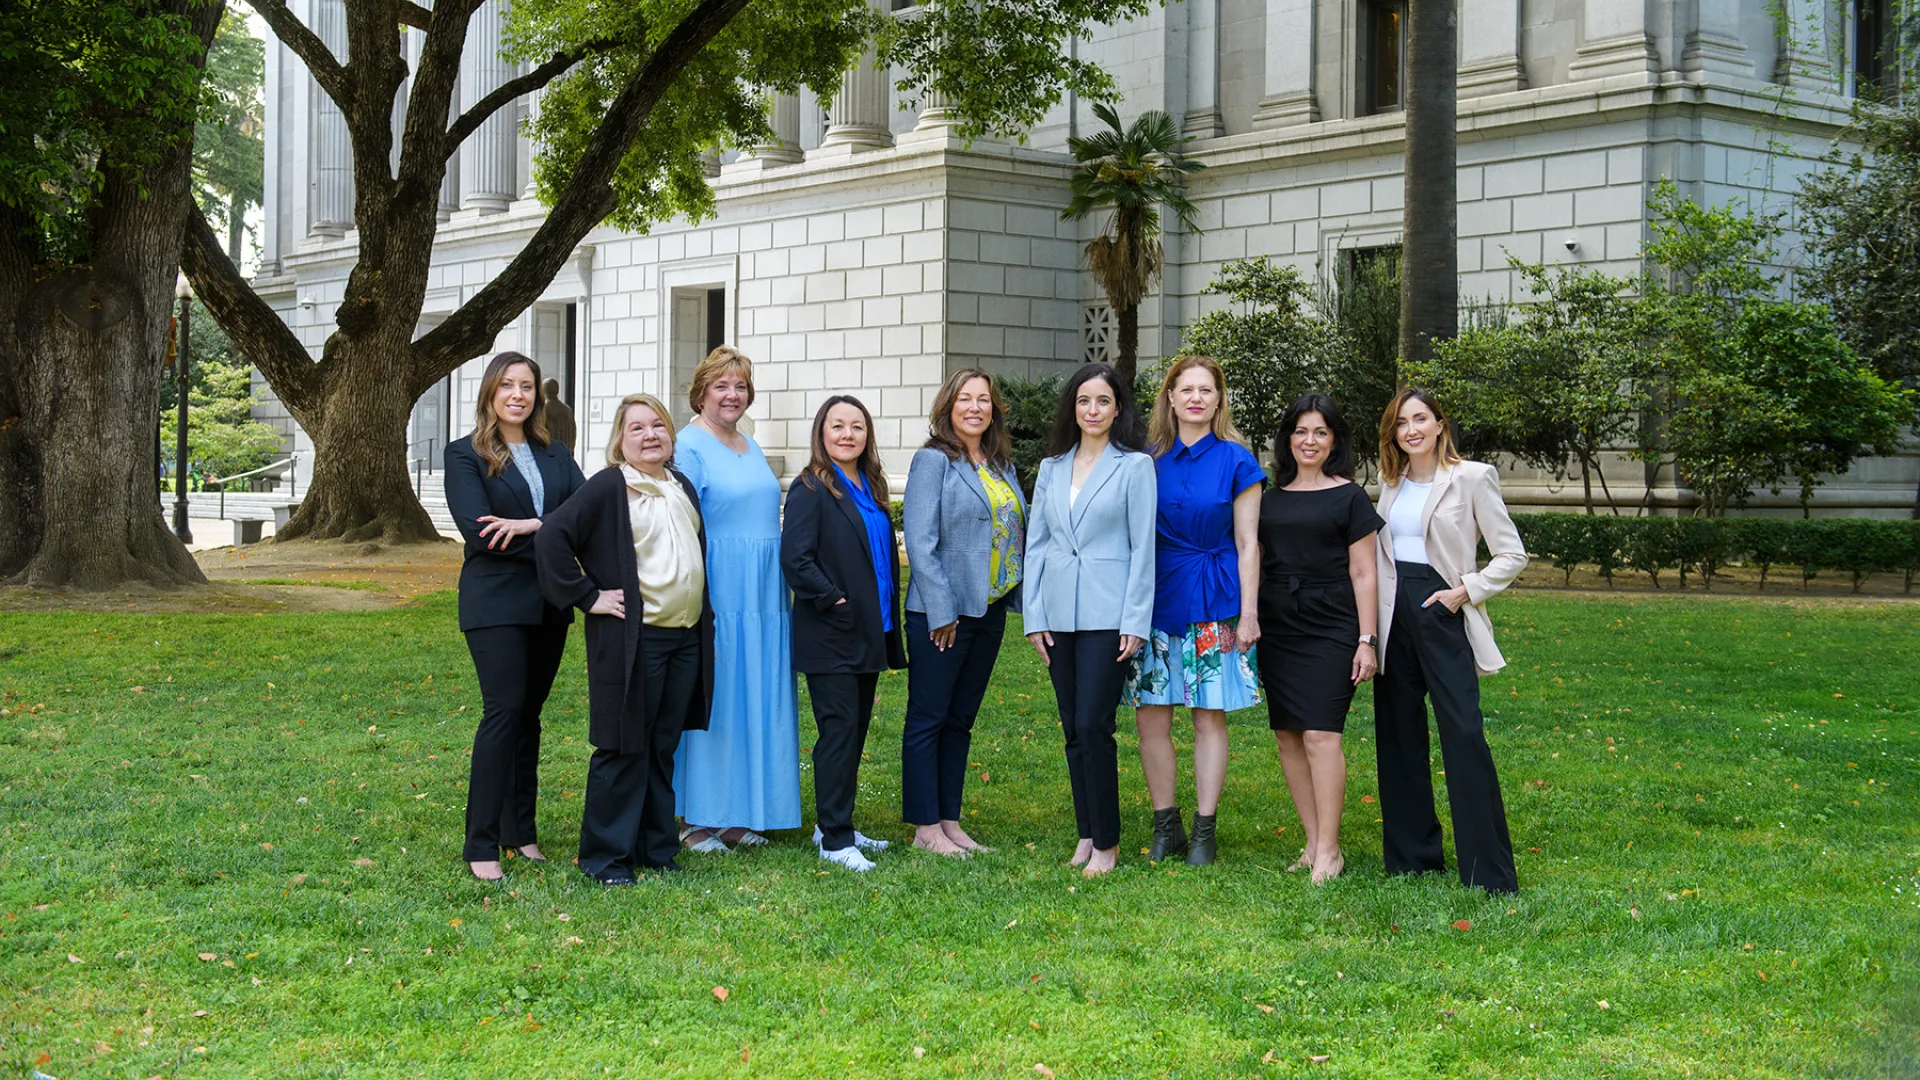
(1490, 48)
(1289, 96)
(487, 157)
(274, 109)
(783, 113)
(330, 157)
(934, 114)
(1203, 117)
(1615, 41)
(1805, 63)
(522, 140)
(858, 119)
(1715, 51)
(450, 181)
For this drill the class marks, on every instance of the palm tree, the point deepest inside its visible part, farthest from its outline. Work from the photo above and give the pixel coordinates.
(1131, 171)
(1430, 256)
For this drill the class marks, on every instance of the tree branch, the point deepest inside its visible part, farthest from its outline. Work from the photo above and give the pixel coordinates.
(583, 204)
(314, 53)
(412, 14)
(255, 327)
(470, 121)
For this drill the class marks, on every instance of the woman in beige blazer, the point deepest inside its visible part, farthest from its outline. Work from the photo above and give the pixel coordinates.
(1435, 640)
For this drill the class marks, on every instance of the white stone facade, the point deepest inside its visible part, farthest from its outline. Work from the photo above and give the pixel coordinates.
(867, 251)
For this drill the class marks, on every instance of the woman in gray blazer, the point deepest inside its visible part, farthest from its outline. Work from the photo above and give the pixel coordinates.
(1089, 587)
(966, 529)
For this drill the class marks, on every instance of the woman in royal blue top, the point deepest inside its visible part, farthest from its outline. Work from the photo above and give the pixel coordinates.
(1207, 573)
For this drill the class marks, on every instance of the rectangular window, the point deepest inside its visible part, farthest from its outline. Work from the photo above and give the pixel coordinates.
(1383, 55)
(1876, 59)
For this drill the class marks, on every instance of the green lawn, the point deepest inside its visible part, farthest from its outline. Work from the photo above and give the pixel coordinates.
(232, 849)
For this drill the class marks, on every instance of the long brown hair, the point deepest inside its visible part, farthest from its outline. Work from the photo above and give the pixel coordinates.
(820, 470)
(1393, 460)
(1163, 431)
(487, 440)
(996, 442)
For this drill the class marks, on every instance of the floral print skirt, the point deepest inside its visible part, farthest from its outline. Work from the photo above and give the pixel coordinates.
(1200, 669)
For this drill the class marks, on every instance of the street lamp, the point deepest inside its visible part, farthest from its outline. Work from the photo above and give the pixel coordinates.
(183, 289)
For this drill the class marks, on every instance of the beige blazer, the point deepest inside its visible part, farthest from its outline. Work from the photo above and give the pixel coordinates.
(1464, 506)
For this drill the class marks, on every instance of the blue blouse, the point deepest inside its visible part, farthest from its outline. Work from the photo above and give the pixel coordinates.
(1196, 566)
(879, 545)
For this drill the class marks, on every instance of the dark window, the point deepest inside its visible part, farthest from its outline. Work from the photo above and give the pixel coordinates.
(716, 318)
(1383, 48)
(1361, 260)
(1876, 60)
(902, 5)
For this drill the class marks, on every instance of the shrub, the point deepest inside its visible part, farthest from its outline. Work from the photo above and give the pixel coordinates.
(1858, 547)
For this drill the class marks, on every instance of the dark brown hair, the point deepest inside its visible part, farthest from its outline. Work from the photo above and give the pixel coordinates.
(1339, 461)
(487, 440)
(820, 470)
(996, 442)
(1126, 431)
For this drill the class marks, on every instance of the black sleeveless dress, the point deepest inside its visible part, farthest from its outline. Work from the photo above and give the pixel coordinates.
(1309, 626)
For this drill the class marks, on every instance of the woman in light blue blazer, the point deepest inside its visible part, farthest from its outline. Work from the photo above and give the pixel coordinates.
(1089, 587)
(966, 530)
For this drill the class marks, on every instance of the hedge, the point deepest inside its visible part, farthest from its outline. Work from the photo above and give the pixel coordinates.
(1655, 545)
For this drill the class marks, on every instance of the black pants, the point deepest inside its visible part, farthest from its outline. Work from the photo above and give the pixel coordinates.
(1087, 680)
(842, 710)
(1428, 657)
(627, 822)
(516, 665)
(944, 691)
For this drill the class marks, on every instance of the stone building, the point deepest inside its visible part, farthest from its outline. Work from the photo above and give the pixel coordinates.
(868, 250)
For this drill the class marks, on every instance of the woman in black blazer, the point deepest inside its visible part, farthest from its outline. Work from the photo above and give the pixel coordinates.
(838, 555)
(501, 482)
(629, 551)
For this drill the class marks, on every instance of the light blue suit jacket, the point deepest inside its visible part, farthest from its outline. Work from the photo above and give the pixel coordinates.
(948, 524)
(1090, 561)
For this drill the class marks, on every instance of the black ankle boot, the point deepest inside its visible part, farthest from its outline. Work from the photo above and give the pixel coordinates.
(1202, 851)
(1169, 835)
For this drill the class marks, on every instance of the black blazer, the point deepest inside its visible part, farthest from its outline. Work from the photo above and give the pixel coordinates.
(824, 555)
(499, 586)
(586, 546)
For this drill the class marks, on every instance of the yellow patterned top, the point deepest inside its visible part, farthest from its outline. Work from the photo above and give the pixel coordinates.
(1009, 527)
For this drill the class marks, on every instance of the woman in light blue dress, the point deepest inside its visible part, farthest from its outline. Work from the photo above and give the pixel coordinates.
(741, 777)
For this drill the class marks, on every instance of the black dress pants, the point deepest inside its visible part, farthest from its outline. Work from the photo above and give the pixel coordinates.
(842, 711)
(1088, 678)
(1428, 656)
(627, 822)
(944, 691)
(516, 665)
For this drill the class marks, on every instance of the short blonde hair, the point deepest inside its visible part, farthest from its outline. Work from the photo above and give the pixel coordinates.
(614, 456)
(722, 361)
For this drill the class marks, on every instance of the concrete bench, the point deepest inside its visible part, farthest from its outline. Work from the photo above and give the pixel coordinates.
(247, 524)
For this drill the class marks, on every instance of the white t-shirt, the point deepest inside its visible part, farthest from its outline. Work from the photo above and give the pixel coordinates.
(1403, 522)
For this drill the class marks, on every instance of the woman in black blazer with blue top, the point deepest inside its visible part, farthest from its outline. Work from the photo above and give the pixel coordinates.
(838, 555)
(501, 481)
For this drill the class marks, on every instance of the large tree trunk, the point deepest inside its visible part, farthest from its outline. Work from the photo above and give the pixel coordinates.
(1429, 266)
(1126, 358)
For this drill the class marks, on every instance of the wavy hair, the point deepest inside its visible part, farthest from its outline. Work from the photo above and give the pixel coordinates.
(725, 360)
(996, 442)
(1393, 460)
(820, 470)
(1163, 431)
(487, 440)
(1338, 463)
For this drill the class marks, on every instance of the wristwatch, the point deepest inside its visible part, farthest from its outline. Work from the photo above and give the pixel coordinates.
(1370, 640)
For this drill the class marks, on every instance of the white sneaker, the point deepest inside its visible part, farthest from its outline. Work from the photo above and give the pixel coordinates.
(850, 858)
(860, 840)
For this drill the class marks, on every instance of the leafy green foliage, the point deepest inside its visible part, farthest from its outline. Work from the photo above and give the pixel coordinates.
(1857, 547)
(229, 147)
(223, 438)
(85, 86)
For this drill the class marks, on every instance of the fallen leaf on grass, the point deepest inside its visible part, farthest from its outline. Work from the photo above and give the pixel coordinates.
(919, 1051)
(1321, 1059)
(363, 862)
(575, 941)
(1762, 974)
(1043, 1070)
(1366, 798)
(206, 956)
(72, 959)
(1268, 1059)
(745, 1052)
(1603, 1004)
(44, 1059)
(1463, 926)
(455, 922)
(201, 1012)
(1263, 1008)
(1011, 925)
(564, 917)
(720, 992)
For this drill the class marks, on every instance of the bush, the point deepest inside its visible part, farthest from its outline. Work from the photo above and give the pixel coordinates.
(1857, 547)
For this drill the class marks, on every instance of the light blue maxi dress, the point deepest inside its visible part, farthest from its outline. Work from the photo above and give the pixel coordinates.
(745, 769)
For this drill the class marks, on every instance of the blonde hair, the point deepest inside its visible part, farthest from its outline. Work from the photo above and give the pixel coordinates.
(1163, 431)
(724, 360)
(1393, 460)
(487, 440)
(614, 456)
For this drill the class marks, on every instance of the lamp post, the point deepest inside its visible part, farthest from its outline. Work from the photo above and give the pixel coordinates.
(183, 390)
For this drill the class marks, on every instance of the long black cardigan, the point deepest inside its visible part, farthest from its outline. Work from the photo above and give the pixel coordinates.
(824, 556)
(585, 546)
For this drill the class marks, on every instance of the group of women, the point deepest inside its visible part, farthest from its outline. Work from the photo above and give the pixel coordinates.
(1152, 560)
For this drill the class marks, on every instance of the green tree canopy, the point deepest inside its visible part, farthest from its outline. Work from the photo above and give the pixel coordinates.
(229, 146)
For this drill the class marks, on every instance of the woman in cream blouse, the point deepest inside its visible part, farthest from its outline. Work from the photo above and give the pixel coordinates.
(1435, 639)
(628, 549)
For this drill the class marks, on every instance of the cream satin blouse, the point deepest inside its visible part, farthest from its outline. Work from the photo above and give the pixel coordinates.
(666, 549)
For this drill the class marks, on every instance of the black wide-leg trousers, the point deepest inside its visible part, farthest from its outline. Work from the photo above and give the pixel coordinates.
(1428, 656)
(627, 822)
(842, 712)
(944, 691)
(1088, 678)
(516, 666)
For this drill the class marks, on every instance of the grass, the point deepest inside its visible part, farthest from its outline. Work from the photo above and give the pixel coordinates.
(231, 848)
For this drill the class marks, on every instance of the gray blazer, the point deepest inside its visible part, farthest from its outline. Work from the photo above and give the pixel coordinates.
(949, 530)
(1090, 564)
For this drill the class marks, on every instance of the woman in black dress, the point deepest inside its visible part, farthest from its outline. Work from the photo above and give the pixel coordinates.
(1317, 614)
